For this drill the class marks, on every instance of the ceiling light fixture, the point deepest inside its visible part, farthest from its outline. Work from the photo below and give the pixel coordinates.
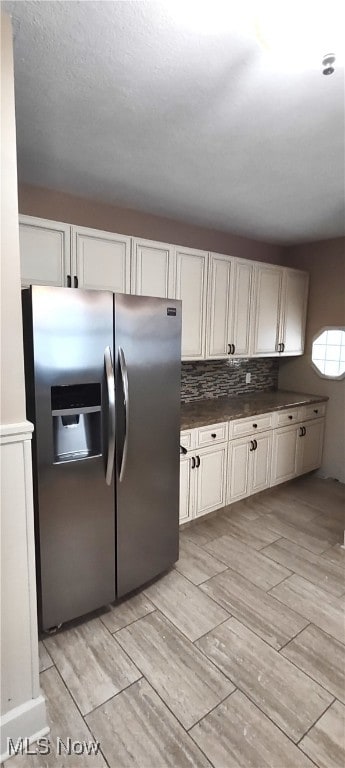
(327, 63)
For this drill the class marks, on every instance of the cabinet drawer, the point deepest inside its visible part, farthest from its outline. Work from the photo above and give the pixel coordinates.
(314, 411)
(284, 418)
(243, 427)
(216, 433)
(187, 438)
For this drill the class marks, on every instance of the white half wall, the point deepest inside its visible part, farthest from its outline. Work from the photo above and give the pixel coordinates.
(22, 704)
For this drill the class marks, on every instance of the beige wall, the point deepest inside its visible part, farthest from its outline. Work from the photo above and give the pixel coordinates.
(49, 204)
(12, 373)
(325, 261)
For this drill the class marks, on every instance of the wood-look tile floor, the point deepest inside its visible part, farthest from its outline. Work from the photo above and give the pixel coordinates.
(235, 658)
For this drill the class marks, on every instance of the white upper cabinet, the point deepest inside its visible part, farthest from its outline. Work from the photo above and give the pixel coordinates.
(101, 260)
(241, 307)
(230, 306)
(152, 269)
(219, 314)
(280, 311)
(191, 287)
(45, 257)
(266, 318)
(228, 317)
(294, 309)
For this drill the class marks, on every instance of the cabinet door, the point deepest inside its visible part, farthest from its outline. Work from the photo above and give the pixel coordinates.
(294, 308)
(44, 251)
(101, 260)
(284, 454)
(238, 470)
(268, 283)
(210, 479)
(152, 269)
(219, 306)
(191, 279)
(185, 490)
(309, 446)
(241, 307)
(260, 460)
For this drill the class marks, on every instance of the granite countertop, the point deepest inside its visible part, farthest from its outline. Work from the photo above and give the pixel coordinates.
(200, 413)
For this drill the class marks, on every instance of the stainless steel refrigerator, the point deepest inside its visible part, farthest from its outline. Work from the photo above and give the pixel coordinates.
(103, 391)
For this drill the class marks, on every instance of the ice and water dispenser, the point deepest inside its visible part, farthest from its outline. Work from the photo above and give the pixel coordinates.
(76, 414)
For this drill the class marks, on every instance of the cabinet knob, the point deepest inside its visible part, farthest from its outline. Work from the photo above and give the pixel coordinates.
(213, 434)
(255, 426)
(316, 410)
(290, 417)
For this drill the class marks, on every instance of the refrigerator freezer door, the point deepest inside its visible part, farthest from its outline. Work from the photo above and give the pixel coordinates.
(68, 335)
(147, 357)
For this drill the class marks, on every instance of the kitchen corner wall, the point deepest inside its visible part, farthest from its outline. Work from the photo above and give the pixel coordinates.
(218, 378)
(325, 262)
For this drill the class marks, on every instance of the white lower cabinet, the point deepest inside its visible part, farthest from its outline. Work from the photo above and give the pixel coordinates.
(249, 466)
(186, 502)
(238, 469)
(209, 476)
(309, 446)
(261, 463)
(202, 481)
(284, 454)
(296, 450)
(224, 472)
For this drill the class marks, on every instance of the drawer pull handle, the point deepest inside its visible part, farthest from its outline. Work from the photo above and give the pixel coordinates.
(290, 417)
(193, 462)
(316, 410)
(197, 462)
(251, 446)
(255, 426)
(213, 434)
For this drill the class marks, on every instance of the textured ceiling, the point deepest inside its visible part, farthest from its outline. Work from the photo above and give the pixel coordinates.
(117, 102)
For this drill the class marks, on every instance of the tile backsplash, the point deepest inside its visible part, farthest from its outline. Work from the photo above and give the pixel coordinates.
(218, 378)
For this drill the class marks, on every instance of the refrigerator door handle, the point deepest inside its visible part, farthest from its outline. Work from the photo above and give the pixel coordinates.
(124, 377)
(109, 372)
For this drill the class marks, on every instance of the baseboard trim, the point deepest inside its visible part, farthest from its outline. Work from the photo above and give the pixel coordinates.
(23, 722)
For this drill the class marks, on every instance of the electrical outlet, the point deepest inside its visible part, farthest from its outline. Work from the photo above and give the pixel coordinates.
(248, 378)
